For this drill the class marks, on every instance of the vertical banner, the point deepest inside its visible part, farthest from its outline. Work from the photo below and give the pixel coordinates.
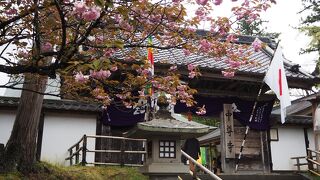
(228, 130)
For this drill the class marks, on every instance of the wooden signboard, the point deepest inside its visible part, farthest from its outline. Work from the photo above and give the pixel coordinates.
(228, 131)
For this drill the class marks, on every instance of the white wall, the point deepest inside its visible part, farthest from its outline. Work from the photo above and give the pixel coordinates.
(6, 124)
(61, 131)
(291, 143)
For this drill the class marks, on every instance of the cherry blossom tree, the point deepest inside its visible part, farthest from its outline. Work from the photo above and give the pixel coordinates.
(98, 48)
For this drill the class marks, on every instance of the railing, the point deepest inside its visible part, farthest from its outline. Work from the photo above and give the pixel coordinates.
(77, 150)
(298, 162)
(312, 162)
(210, 173)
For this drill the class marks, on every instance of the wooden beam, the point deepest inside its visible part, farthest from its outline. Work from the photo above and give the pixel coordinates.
(226, 93)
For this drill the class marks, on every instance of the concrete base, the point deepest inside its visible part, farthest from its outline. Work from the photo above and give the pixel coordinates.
(164, 168)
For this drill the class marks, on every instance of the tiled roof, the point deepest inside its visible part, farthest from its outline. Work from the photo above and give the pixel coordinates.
(176, 56)
(68, 105)
(263, 58)
(294, 119)
(293, 116)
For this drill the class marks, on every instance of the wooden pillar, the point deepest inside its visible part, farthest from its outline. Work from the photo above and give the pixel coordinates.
(265, 152)
(84, 151)
(227, 140)
(122, 155)
(316, 128)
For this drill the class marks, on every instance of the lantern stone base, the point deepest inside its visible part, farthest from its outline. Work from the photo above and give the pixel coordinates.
(166, 168)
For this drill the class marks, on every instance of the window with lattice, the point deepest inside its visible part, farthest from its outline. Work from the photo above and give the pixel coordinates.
(167, 149)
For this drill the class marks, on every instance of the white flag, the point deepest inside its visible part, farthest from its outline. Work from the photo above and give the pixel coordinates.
(277, 81)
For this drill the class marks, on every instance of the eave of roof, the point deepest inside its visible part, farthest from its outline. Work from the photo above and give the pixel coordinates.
(52, 104)
(293, 120)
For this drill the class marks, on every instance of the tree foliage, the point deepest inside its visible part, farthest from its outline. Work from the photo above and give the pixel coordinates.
(310, 25)
(255, 28)
(97, 46)
(98, 49)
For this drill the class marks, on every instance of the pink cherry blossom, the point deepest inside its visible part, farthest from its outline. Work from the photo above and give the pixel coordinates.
(173, 68)
(45, 47)
(145, 72)
(202, 110)
(234, 64)
(125, 25)
(204, 45)
(186, 52)
(114, 68)
(92, 14)
(191, 67)
(11, 12)
(191, 30)
(257, 45)
(109, 52)
(200, 12)
(181, 87)
(168, 78)
(176, 1)
(217, 2)
(102, 74)
(192, 74)
(79, 7)
(23, 54)
(79, 77)
(202, 2)
(117, 18)
(101, 97)
(228, 74)
(231, 38)
(121, 96)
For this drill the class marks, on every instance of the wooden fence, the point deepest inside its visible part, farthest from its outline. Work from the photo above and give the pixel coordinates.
(313, 164)
(80, 149)
(313, 161)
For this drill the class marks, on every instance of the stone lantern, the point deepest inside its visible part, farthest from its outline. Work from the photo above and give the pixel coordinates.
(164, 134)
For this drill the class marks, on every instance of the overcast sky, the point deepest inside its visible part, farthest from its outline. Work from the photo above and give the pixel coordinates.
(282, 18)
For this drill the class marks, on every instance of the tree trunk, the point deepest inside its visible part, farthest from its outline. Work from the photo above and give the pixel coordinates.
(20, 151)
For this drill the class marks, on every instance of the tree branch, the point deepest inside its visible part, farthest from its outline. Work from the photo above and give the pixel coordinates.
(24, 89)
(64, 31)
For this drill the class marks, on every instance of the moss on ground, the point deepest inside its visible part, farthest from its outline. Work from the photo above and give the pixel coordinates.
(54, 172)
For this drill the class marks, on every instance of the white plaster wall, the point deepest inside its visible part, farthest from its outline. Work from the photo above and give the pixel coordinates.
(291, 143)
(61, 131)
(6, 124)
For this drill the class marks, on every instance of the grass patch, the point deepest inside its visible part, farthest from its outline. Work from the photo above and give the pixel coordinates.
(52, 172)
(312, 176)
